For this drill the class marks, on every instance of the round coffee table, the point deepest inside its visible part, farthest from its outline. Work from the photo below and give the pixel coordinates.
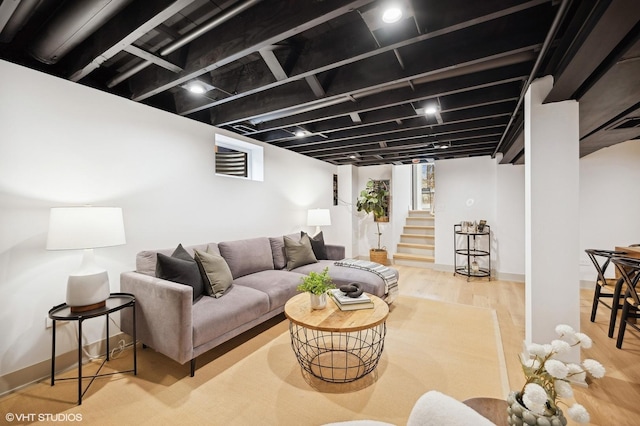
(333, 345)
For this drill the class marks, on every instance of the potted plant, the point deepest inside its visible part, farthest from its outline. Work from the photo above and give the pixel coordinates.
(548, 379)
(374, 199)
(317, 286)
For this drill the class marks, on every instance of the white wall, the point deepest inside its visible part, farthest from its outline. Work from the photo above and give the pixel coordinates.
(65, 144)
(400, 203)
(509, 223)
(465, 191)
(608, 214)
(609, 204)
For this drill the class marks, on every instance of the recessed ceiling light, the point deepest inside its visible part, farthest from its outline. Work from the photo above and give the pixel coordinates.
(353, 157)
(430, 109)
(300, 133)
(391, 14)
(443, 146)
(196, 88)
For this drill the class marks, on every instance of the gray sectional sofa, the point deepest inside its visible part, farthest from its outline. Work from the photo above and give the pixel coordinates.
(170, 321)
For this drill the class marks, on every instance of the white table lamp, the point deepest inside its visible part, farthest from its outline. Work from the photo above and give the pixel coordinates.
(86, 228)
(318, 218)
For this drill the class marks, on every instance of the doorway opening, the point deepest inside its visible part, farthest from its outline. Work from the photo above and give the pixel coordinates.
(424, 186)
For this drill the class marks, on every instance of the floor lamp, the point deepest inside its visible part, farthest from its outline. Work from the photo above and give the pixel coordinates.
(86, 228)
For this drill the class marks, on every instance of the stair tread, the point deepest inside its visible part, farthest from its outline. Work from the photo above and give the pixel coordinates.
(414, 245)
(413, 257)
(419, 226)
(417, 236)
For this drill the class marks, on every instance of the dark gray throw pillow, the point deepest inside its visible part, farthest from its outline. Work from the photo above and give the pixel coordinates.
(299, 253)
(181, 268)
(317, 244)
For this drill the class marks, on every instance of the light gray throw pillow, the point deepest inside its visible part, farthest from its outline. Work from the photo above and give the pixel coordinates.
(215, 272)
(299, 253)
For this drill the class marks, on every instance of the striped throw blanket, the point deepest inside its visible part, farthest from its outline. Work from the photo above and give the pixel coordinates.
(388, 275)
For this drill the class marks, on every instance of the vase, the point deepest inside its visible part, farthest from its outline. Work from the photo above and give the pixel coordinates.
(318, 301)
(518, 414)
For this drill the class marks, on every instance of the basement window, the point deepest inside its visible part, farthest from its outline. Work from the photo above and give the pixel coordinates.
(239, 159)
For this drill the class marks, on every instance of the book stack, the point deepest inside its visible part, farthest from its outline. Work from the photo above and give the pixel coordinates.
(346, 303)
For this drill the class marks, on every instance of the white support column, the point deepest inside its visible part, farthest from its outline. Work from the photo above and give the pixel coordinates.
(552, 271)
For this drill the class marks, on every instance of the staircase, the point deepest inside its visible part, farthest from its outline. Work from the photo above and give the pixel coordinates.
(417, 242)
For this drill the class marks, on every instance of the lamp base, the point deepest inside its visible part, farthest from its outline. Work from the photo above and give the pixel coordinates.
(87, 291)
(76, 309)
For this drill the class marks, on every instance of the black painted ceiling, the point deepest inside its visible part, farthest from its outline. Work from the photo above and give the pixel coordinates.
(354, 87)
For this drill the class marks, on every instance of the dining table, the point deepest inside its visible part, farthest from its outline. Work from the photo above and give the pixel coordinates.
(633, 252)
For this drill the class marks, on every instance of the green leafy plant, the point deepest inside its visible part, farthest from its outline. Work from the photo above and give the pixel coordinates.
(374, 199)
(316, 283)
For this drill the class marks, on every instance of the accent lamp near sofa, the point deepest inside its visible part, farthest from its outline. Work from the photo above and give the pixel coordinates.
(192, 299)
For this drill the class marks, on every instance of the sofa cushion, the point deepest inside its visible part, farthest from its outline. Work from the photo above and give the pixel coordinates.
(247, 256)
(214, 317)
(317, 244)
(278, 253)
(181, 268)
(216, 275)
(146, 260)
(299, 253)
(280, 286)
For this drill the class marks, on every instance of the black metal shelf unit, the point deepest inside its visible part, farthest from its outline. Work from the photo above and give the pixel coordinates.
(476, 262)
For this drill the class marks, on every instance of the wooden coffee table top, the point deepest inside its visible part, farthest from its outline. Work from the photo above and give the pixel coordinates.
(298, 310)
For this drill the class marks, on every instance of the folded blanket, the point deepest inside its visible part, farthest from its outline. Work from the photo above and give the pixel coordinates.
(388, 275)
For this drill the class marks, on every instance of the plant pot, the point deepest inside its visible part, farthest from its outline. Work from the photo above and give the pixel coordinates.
(378, 256)
(518, 414)
(381, 219)
(318, 301)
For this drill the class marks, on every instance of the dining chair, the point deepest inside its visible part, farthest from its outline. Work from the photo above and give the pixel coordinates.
(606, 288)
(629, 269)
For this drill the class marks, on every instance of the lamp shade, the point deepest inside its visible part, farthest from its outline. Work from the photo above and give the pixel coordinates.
(75, 228)
(318, 217)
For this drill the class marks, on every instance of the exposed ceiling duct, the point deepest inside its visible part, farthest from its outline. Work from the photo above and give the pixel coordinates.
(71, 25)
(13, 15)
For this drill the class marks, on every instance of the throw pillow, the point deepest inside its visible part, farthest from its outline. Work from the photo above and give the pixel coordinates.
(299, 253)
(215, 272)
(317, 244)
(180, 268)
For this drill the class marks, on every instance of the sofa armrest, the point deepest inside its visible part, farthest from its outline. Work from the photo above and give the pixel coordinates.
(163, 314)
(334, 252)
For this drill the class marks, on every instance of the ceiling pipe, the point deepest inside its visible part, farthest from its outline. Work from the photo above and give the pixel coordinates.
(190, 36)
(208, 26)
(70, 26)
(543, 51)
(13, 15)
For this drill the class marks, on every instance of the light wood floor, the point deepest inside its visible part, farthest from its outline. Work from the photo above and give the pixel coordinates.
(612, 400)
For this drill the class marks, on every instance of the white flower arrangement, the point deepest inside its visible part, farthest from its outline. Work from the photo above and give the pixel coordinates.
(548, 378)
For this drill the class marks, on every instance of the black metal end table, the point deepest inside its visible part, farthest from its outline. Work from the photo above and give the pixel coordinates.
(115, 302)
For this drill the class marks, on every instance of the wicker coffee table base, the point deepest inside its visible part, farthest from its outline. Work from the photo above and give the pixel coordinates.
(338, 357)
